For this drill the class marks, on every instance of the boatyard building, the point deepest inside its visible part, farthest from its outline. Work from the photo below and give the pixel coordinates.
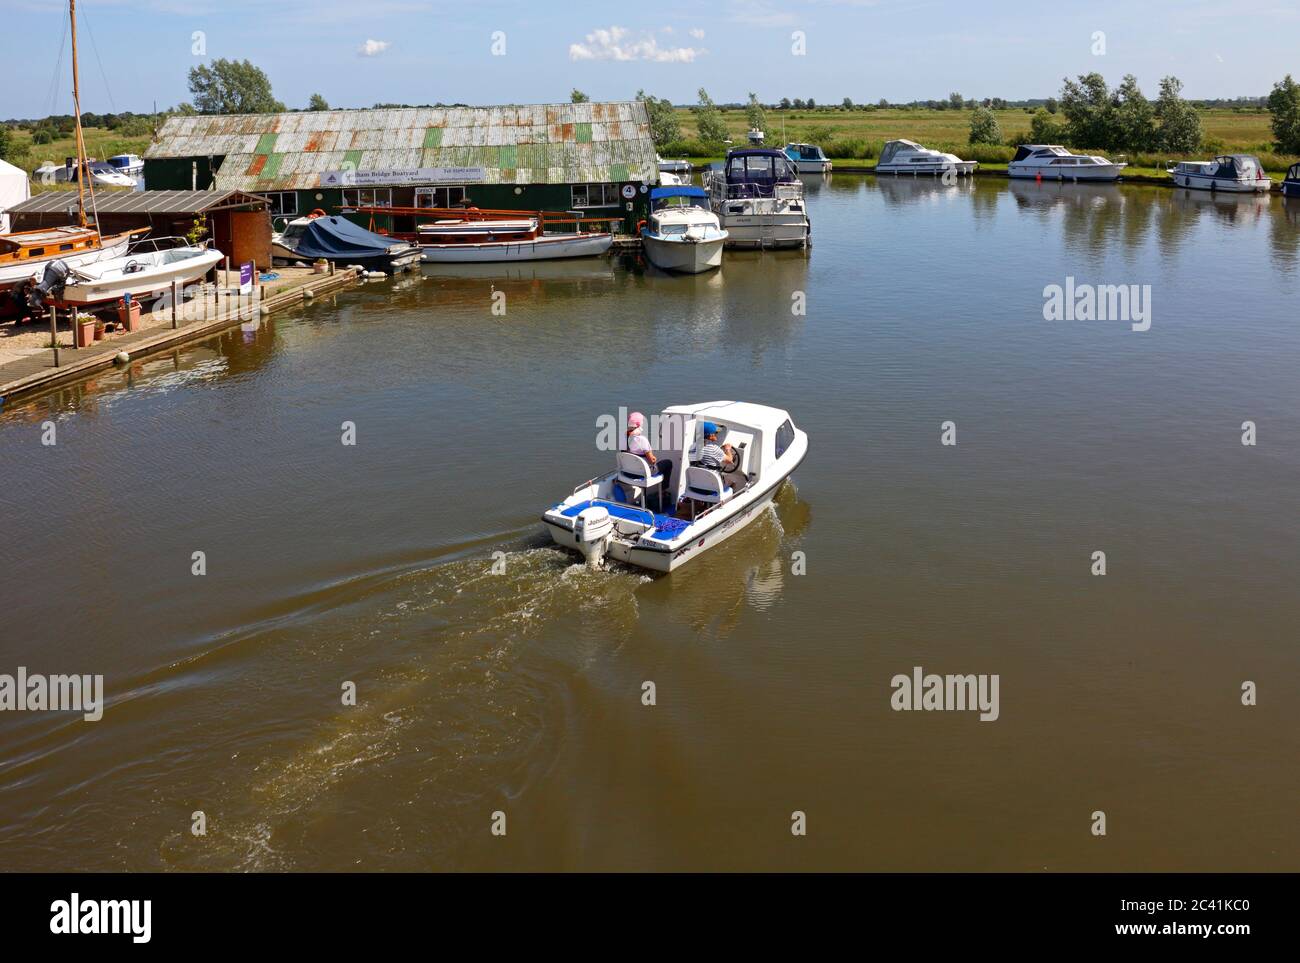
(594, 158)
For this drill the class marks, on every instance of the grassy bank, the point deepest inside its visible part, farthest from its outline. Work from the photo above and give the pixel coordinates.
(100, 143)
(859, 135)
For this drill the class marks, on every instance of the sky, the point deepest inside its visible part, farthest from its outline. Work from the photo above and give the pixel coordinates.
(357, 53)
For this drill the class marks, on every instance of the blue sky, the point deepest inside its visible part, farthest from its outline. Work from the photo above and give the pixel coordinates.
(359, 52)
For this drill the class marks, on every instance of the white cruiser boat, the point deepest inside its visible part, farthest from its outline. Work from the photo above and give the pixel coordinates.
(1236, 173)
(284, 243)
(759, 199)
(1055, 163)
(606, 517)
(132, 165)
(908, 157)
(679, 167)
(142, 274)
(682, 234)
(808, 158)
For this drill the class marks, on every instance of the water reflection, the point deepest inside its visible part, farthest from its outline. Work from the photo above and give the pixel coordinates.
(746, 572)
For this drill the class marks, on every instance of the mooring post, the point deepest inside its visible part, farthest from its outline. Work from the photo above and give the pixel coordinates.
(174, 296)
(54, 333)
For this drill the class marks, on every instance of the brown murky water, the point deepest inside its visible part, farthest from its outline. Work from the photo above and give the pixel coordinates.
(521, 692)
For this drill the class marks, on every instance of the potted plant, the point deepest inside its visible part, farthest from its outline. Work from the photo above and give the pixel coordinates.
(320, 266)
(84, 326)
(99, 329)
(128, 313)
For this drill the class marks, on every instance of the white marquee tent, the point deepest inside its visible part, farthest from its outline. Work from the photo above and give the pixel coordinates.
(14, 189)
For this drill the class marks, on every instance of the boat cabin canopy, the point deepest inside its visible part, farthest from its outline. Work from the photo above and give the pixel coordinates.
(1245, 166)
(684, 195)
(1039, 150)
(764, 432)
(895, 147)
(810, 152)
(1293, 173)
(760, 166)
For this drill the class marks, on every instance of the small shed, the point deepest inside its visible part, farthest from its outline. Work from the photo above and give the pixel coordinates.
(238, 223)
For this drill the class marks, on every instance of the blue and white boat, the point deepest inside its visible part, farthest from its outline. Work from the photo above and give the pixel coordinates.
(1232, 173)
(1291, 186)
(682, 234)
(132, 165)
(808, 158)
(608, 517)
(759, 200)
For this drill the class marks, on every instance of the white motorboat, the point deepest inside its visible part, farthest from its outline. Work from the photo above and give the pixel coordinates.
(909, 157)
(759, 199)
(808, 158)
(1053, 162)
(25, 254)
(102, 174)
(504, 239)
(667, 179)
(1234, 173)
(139, 273)
(132, 165)
(284, 242)
(607, 517)
(682, 234)
(674, 166)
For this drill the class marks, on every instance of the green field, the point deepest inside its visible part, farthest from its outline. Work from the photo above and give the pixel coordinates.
(100, 143)
(859, 134)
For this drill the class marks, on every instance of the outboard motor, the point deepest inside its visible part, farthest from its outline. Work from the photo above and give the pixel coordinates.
(592, 528)
(52, 282)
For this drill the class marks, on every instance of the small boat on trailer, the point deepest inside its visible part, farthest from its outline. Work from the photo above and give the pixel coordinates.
(25, 254)
(1233, 173)
(909, 157)
(143, 274)
(682, 234)
(608, 517)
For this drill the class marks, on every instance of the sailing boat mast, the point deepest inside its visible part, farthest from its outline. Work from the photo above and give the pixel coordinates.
(83, 165)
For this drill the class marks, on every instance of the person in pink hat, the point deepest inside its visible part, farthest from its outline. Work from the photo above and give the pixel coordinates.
(638, 444)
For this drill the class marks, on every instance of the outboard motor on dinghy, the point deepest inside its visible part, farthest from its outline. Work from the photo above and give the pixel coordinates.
(52, 282)
(592, 528)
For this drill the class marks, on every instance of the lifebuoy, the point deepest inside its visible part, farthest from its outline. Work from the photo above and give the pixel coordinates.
(317, 213)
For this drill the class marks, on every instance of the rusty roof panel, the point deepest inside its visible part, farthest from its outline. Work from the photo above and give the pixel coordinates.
(552, 143)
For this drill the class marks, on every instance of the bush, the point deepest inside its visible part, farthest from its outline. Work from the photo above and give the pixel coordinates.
(984, 127)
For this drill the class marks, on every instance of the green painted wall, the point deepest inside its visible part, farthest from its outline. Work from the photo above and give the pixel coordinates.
(176, 174)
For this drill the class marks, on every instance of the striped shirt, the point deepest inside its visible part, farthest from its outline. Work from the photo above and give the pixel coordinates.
(712, 456)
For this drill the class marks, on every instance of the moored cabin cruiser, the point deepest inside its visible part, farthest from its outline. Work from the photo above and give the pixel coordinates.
(610, 516)
(1053, 162)
(679, 166)
(1236, 173)
(808, 158)
(759, 199)
(682, 234)
(1291, 186)
(908, 157)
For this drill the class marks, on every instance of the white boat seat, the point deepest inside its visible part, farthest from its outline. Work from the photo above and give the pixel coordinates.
(635, 472)
(705, 485)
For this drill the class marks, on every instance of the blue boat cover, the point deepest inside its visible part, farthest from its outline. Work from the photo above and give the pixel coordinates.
(684, 190)
(337, 237)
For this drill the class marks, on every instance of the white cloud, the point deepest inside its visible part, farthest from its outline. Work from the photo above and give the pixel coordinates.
(696, 32)
(617, 43)
(373, 48)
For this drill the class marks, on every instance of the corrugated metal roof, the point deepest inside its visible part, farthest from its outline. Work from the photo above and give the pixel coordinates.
(137, 202)
(528, 144)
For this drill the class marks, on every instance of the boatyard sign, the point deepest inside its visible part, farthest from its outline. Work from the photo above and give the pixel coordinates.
(391, 176)
(246, 278)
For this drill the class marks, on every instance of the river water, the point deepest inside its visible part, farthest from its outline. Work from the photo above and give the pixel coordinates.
(516, 687)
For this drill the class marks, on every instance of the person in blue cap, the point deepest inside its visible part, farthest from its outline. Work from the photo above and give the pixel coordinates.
(717, 457)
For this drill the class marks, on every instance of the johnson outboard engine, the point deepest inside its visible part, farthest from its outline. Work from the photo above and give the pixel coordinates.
(53, 281)
(592, 530)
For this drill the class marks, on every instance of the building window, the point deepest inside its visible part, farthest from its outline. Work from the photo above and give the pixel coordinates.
(595, 195)
(368, 197)
(438, 196)
(283, 203)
